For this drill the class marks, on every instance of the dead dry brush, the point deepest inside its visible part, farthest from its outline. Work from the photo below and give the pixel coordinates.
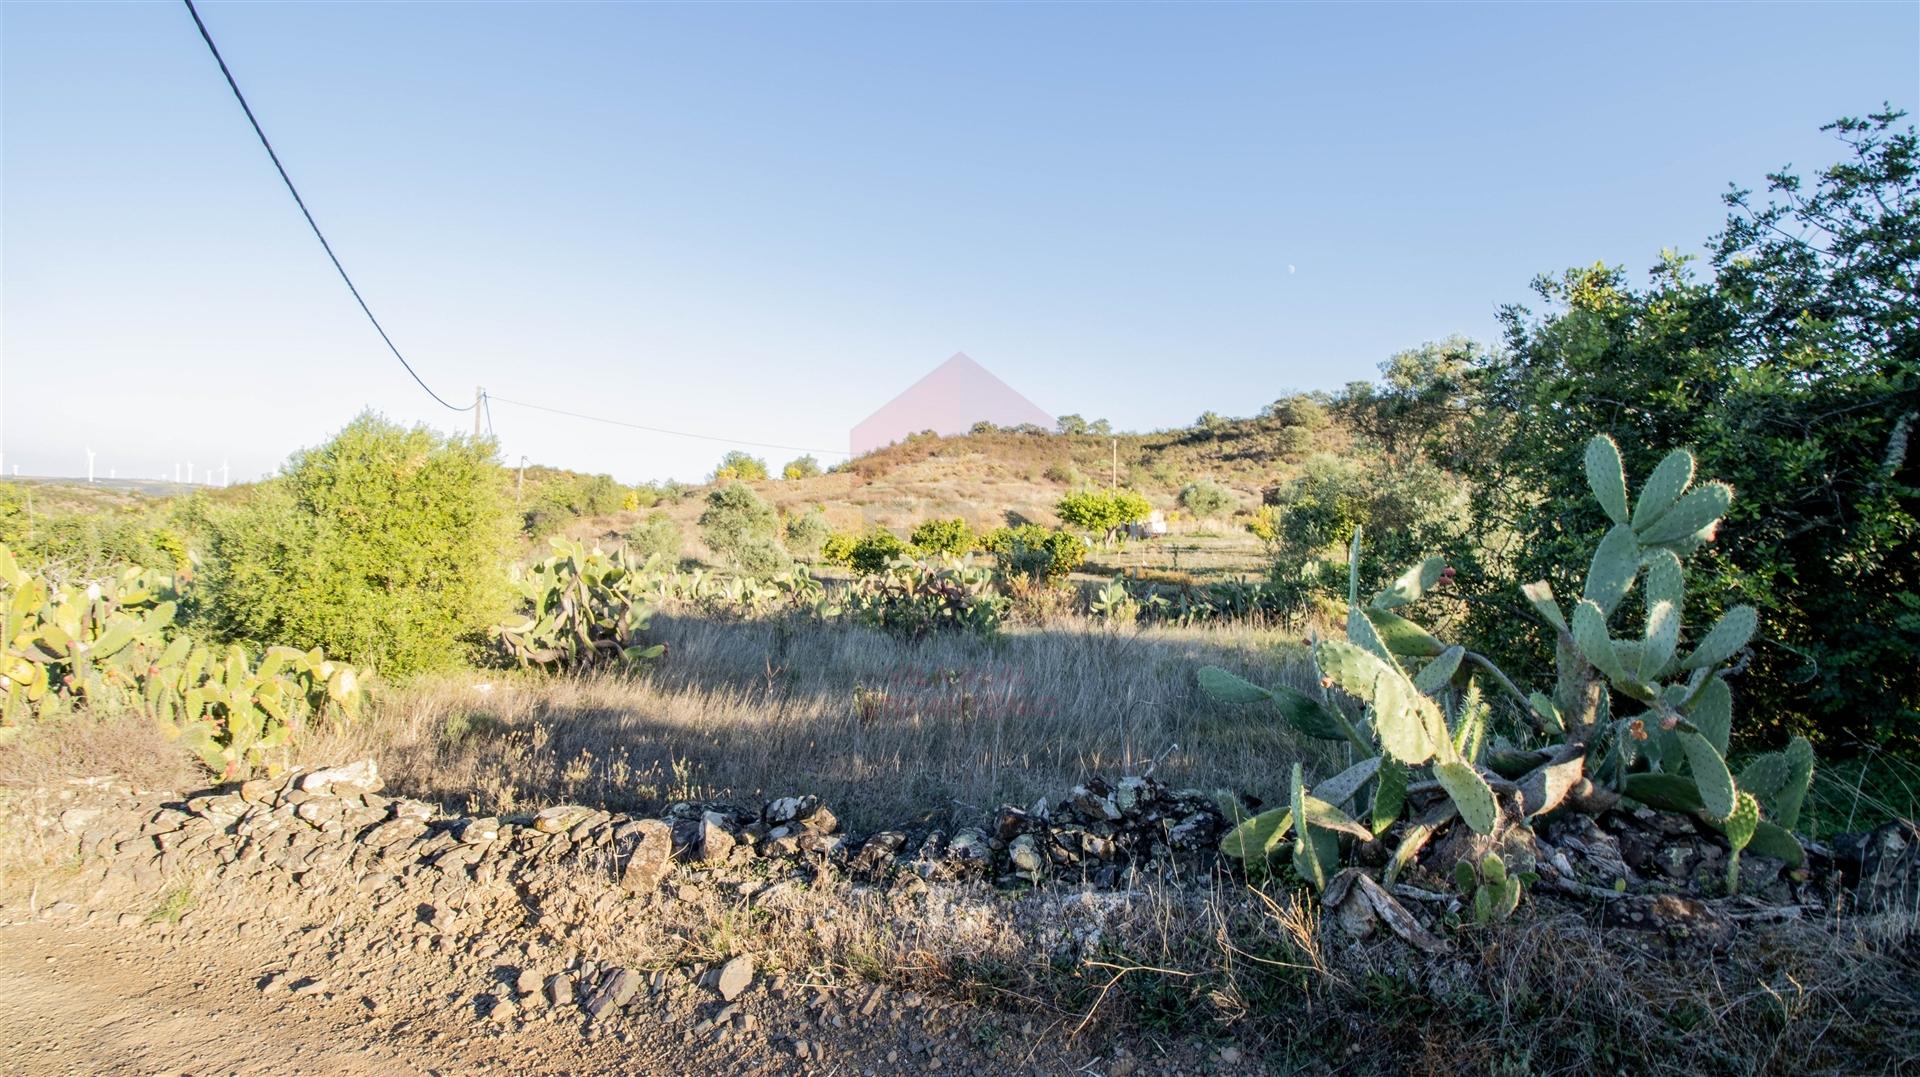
(889, 732)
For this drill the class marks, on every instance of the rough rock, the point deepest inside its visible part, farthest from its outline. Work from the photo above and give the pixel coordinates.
(561, 818)
(615, 989)
(346, 780)
(734, 977)
(649, 856)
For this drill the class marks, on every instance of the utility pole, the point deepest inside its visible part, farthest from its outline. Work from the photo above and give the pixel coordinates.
(223, 473)
(1114, 483)
(521, 480)
(89, 466)
(479, 401)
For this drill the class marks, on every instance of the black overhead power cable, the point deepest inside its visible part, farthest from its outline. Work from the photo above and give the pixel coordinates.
(483, 401)
(298, 201)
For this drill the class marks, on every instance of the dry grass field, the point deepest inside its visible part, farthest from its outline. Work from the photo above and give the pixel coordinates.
(885, 730)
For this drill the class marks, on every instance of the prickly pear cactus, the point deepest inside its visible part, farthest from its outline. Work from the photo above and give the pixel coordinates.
(1420, 714)
(582, 608)
(1488, 888)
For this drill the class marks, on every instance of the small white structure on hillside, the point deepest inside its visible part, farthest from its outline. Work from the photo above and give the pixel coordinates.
(1153, 526)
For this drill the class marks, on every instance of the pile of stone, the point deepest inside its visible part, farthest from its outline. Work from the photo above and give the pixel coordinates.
(333, 826)
(331, 830)
(1100, 835)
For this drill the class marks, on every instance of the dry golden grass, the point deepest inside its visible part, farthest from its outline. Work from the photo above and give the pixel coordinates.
(888, 731)
(991, 480)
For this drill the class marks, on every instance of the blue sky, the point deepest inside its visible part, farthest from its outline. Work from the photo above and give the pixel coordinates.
(762, 221)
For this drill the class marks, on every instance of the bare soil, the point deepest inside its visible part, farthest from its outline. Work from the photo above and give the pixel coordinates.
(162, 1000)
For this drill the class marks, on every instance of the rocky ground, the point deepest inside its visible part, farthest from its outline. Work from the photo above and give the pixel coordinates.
(312, 924)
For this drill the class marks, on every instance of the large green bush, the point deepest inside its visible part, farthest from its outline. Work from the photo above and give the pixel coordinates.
(1207, 499)
(552, 498)
(806, 533)
(1793, 373)
(743, 530)
(875, 550)
(1034, 552)
(737, 466)
(387, 546)
(950, 536)
(656, 536)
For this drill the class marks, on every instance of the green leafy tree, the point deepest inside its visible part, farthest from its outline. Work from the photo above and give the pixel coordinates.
(742, 529)
(387, 546)
(1794, 374)
(806, 467)
(1102, 512)
(1423, 402)
(1298, 409)
(1207, 499)
(738, 466)
(1072, 425)
(951, 536)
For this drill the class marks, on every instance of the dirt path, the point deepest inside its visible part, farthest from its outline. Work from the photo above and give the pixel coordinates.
(84, 1001)
(149, 1001)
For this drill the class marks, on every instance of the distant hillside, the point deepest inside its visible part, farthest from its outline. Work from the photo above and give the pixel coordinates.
(992, 478)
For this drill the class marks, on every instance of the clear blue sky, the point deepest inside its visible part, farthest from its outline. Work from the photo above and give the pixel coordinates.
(762, 221)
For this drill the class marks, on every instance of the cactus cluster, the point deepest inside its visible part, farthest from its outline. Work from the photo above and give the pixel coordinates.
(1422, 708)
(113, 642)
(919, 597)
(1491, 890)
(232, 711)
(583, 607)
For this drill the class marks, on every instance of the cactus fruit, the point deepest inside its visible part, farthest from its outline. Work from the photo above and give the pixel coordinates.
(1739, 826)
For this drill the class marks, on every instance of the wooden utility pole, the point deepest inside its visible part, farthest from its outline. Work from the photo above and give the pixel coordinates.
(1114, 483)
(479, 400)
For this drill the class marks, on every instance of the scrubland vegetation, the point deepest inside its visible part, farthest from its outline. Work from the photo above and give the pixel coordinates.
(1663, 539)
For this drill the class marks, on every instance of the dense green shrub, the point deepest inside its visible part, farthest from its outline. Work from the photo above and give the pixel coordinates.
(1064, 474)
(805, 467)
(874, 550)
(656, 536)
(1793, 373)
(1207, 499)
(741, 528)
(950, 536)
(1034, 552)
(806, 533)
(1102, 512)
(387, 546)
(737, 466)
(837, 548)
(1298, 410)
(552, 498)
